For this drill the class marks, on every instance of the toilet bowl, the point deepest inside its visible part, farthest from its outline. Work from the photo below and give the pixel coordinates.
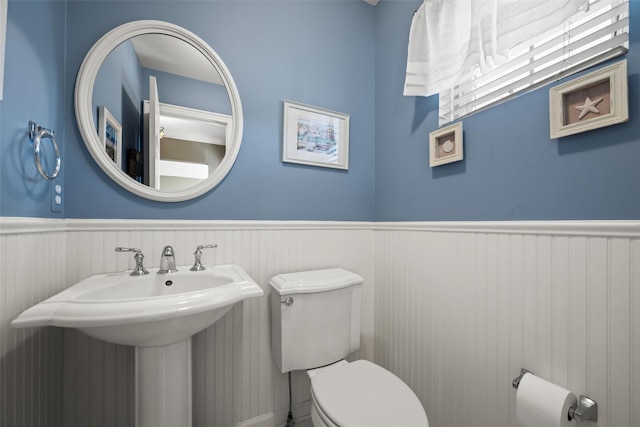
(315, 320)
(362, 394)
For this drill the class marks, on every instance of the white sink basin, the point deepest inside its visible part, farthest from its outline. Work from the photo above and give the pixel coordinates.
(151, 310)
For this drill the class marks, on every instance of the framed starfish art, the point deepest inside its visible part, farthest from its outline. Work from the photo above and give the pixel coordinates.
(592, 101)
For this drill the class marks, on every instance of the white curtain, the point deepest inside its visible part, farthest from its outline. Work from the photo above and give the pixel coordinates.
(448, 38)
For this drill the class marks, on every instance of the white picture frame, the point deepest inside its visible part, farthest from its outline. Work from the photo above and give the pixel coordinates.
(110, 133)
(315, 136)
(592, 101)
(446, 145)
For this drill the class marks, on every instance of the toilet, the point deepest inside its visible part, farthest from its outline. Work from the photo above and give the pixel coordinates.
(315, 323)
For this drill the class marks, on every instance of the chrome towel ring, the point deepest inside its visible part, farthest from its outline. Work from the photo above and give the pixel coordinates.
(36, 134)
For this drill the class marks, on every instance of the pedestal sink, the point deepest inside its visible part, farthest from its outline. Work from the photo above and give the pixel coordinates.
(156, 313)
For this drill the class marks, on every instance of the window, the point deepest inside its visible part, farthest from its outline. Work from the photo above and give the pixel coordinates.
(587, 38)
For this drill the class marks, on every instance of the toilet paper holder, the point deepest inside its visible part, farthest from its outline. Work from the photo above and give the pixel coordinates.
(586, 410)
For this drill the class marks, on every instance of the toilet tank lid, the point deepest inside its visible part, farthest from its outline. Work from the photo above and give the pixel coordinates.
(304, 282)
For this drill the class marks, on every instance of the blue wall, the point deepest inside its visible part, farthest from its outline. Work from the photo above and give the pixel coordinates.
(34, 88)
(342, 55)
(118, 88)
(511, 170)
(120, 70)
(315, 52)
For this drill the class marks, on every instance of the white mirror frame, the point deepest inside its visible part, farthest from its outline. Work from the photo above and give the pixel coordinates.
(84, 114)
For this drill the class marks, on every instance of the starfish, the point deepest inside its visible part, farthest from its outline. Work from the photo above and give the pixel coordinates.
(589, 106)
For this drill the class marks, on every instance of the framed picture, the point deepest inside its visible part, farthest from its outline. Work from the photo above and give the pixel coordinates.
(445, 145)
(110, 133)
(589, 102)
(315, 136)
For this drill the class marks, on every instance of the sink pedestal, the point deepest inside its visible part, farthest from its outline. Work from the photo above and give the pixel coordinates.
(155, 313)
(163, 385)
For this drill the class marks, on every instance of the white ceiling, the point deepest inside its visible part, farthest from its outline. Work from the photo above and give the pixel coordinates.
(175, 56)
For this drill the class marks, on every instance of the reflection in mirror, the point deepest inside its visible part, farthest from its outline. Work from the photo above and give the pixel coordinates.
(162, 112)
(132, 102)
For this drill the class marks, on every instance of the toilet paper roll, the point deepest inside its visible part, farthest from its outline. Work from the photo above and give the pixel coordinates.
(540, 403)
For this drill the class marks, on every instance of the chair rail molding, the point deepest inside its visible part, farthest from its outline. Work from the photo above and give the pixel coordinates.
(611, 228)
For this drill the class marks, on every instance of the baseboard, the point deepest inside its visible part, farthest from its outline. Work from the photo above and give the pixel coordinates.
(301, 413)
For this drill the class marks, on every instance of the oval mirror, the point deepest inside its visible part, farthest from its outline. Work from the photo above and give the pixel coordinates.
(159, 111)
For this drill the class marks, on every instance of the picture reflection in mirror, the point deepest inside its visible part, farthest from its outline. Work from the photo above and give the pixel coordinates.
(173, 109)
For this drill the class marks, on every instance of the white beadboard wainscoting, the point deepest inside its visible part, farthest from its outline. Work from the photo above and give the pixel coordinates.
(32, 268)
(457, 309)
(91, 383)
(461, 307)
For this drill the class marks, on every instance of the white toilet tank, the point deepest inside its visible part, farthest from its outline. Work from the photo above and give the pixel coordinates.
(315, 317)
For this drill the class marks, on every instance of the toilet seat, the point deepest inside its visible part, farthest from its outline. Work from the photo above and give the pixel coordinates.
(362, 394)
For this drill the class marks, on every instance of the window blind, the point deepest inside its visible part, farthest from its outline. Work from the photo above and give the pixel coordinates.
(588, 38)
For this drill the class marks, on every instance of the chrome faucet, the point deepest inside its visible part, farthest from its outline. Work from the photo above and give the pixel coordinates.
(139, 270)
(197, 265)
(167, 261)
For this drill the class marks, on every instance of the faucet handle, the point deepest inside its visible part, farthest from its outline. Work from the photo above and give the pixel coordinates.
(197, 266)
(121, 249)
(199, 248)
(139, 270)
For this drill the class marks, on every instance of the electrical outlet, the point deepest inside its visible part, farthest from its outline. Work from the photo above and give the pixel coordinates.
(56, 197)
